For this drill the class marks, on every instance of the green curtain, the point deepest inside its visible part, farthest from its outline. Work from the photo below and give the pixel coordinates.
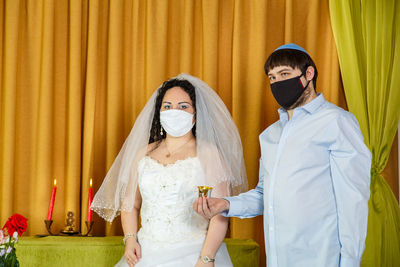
(367, 35)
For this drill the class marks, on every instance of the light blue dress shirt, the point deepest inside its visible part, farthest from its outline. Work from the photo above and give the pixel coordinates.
(313, 188)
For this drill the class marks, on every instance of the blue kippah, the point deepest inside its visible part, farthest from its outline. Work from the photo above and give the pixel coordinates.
(291, 46)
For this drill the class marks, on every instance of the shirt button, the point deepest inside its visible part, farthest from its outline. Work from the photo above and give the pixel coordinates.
(271, 228)
(270, 207)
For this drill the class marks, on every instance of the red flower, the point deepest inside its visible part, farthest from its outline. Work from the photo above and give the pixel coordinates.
(17, 222)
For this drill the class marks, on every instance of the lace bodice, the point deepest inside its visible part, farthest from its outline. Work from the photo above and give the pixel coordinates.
(168, 193)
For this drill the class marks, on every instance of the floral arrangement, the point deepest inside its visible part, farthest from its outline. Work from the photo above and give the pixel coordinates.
(12, 229)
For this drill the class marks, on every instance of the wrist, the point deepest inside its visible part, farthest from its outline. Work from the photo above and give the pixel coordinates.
(226, 205)
(131, 241)
(208, 254)
(206, 258)
(128, 236)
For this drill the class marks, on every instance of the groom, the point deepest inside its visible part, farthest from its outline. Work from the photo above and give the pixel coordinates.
(314, 176)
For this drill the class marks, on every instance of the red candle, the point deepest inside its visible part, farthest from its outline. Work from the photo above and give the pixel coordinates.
(90, 198)
(53, 198)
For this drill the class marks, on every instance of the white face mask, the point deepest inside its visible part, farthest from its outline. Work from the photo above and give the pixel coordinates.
(176, 122)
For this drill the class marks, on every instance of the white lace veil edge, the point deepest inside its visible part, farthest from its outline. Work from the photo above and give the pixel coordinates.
(219, 150)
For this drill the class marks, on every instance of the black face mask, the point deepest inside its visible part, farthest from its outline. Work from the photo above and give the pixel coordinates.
(287, 92)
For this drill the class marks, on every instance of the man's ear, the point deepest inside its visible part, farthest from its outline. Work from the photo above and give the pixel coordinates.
(310, 72)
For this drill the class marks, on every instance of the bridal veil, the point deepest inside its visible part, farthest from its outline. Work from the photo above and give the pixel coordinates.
(219, 150)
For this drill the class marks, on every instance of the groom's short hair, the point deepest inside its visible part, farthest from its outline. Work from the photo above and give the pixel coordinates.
(292, 58)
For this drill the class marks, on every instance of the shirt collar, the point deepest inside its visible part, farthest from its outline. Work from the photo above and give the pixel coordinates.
(283, 115)
(314, 104)
(310, 107)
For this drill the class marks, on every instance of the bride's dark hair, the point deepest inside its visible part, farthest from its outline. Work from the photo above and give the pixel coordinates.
(155, 132)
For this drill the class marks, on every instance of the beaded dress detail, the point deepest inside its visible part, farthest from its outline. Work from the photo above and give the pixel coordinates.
(172, 233)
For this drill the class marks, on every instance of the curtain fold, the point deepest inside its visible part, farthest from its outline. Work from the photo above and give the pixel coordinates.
(368, 41)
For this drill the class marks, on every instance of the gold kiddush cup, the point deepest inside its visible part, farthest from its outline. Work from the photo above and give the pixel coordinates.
(205, 191)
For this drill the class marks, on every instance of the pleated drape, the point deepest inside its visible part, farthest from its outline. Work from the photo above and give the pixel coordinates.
(368, 40)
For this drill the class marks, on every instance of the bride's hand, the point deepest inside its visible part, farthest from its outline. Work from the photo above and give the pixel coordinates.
(209, 207)
(203, 264)
(132, 252)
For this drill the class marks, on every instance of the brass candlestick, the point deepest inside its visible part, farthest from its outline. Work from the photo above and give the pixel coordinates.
(89, 225)
(69, 228)
(48, 226)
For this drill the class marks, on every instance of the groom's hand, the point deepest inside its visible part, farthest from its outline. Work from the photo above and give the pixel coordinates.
(209, 207)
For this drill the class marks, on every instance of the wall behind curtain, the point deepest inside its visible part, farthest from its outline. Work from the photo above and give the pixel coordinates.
(75, 74)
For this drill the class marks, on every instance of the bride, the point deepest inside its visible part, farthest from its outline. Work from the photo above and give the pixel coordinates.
(183, 138)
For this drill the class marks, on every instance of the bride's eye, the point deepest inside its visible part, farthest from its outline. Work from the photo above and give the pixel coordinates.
(167, 106)
(183, 106)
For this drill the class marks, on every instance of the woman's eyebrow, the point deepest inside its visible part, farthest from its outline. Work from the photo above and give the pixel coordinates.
(184, 103)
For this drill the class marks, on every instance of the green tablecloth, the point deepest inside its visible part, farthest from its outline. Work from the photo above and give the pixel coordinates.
(105, 251)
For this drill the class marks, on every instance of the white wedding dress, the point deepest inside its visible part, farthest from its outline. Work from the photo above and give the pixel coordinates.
(172, 234)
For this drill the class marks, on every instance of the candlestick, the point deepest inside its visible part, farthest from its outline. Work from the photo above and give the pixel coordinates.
(48, 227)
(89, 225)
(69, 228)
(90, 199)
(51, 205)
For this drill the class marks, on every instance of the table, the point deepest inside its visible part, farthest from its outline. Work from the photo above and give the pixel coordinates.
(68, 251)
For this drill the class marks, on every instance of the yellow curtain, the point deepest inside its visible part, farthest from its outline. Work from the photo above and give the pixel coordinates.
(367, 34)
(75, 74)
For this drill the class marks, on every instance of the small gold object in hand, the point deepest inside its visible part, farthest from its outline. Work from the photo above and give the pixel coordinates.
(205, 191)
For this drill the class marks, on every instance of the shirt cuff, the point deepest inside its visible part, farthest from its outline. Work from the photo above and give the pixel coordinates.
(234, 207)
(349, 262)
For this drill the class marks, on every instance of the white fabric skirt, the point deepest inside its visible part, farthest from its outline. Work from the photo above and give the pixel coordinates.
(179, 255)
